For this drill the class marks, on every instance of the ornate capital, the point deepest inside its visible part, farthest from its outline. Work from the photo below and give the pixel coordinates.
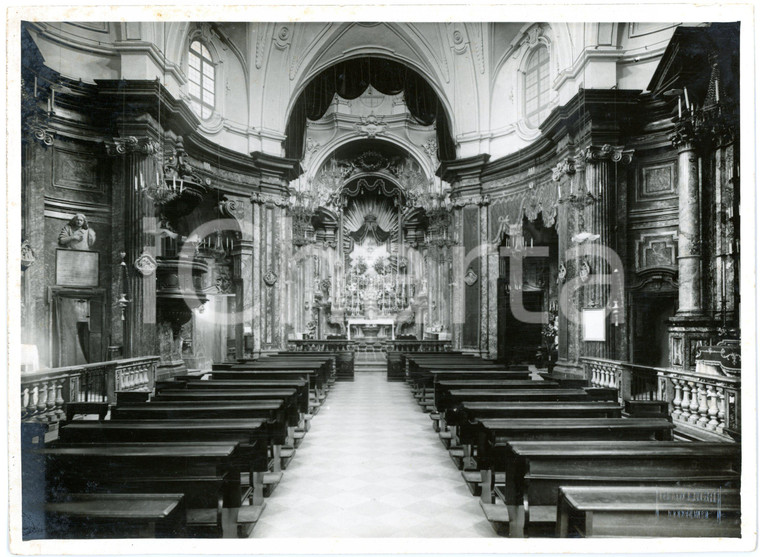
(614, 153)
(565, 167)
(131, 144)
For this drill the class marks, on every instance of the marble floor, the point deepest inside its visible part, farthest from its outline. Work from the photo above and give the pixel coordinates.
(372, 466)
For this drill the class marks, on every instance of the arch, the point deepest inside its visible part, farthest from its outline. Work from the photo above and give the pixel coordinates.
(328, 150)
(311, 64)
(392, 77)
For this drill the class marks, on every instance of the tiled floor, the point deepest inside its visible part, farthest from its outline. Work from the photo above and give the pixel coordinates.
(372, 466)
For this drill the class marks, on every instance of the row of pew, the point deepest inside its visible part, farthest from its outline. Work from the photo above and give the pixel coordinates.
(194, 458)
(556, 457)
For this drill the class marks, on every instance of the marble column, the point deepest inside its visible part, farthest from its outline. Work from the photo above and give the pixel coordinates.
(487, 319)
(139, 169)
(689, 226)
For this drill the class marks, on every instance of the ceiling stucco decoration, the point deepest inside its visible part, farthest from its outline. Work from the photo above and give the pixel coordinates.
(371, 126)
(459, 40)
(282, 37)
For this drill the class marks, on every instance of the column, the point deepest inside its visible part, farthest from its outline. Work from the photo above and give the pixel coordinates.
(140, 164)
(689, 223)
(487, 319)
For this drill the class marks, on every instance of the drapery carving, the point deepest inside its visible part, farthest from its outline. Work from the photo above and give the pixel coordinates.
(349, 79)
(509, 209)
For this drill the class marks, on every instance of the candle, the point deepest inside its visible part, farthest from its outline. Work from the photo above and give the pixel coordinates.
(679, 108)
(35, 86)
(559, 191)
(686, 97)
(717, 91)
(723, 280)
(142, 180)
(181, 185)
(174, 183)
(135, 183)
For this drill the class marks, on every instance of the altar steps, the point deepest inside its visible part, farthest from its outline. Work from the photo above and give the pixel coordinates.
(366, 362)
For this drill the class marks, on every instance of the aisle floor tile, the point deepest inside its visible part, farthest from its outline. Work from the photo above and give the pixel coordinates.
(372, 466)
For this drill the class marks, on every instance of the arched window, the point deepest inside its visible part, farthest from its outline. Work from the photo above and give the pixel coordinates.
(201, 76)
(537, 87)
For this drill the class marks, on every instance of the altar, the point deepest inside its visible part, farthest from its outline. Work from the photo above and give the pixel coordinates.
(365, 323)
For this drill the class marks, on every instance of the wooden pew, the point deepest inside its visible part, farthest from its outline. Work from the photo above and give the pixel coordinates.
(648, 511)
(204, 472)
(252, 436)
(312, 376)
(274, 412)
(397, 362)
(300, 385)
(534, 470)
(492, 435)
(117, 515)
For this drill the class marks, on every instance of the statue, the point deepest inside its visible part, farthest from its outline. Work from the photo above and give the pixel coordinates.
(77, 234)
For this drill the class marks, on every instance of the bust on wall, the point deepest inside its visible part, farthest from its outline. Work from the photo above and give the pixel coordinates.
(77, 234)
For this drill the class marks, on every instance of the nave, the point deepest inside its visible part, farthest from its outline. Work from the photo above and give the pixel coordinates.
(373, 467)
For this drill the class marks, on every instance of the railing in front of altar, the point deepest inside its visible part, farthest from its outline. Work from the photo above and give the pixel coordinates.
(703, 399)
(413, 345)
(44, 393)
(343, 364)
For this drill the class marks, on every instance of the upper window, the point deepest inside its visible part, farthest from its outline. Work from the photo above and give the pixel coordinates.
(201, 80)
(537, 87)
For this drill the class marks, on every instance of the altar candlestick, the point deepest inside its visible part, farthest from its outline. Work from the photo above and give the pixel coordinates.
(717, 91)
(679, 108)
(174, 183)
(686, 97)
(559, 191)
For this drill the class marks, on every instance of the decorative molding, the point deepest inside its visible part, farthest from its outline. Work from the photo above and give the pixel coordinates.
(371, 126)
(470, 277)
(146, 264)
(584, 270)
(28, 256)
(131, 144)
(232, 208)
(270, 278)
(561, 273)
(269, 199)
(657, 181)
(595, 153)
(566, 167)
(656, 251)
(282, 37)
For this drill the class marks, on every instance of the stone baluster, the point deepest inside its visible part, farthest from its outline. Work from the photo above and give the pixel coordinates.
(721, 410)
(26, 395)
(694, 404)
(686, 402)
(41, 400)
(676, 398)
(712, 408)
(59, 398)
(50, 412)
(702, 396)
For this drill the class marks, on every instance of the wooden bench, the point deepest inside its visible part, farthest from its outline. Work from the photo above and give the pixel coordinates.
(492, 435)
(197, 384)
(117, 515)
(648, 511)
(251, 435)
(534, 470)
(274, 412)
(204, 472)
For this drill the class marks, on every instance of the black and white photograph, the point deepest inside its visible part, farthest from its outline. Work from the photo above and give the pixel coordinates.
(432, 279)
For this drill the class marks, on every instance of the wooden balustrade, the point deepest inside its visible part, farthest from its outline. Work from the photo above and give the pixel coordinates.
(43, 393)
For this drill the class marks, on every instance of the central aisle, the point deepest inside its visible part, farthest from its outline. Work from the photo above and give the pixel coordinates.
(372, 466)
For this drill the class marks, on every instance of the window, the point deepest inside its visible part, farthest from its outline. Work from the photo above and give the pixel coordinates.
(201, 77)
(537, 87)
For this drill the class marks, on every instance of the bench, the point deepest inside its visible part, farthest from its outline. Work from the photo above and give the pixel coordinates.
(534, 470)
(251, 435)
(117, 515)
(492, 435)
(648, 511)
(203, 472)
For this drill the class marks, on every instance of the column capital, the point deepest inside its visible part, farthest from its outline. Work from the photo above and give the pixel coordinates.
(118, 146)
(566, 167)
(601, 153)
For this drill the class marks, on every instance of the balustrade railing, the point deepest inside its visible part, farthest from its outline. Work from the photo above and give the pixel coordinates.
(708, 402)
(705, 399)
(411, 345)
(44, 393)
(325, 345)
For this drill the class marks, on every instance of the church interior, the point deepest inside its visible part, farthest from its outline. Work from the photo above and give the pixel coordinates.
(354, 279)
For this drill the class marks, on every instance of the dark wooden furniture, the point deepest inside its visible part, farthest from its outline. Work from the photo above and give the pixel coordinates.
(117, 515)
(534, 470)
(648, 511)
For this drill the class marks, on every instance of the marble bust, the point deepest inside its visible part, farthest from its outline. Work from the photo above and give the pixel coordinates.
(77, 234)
